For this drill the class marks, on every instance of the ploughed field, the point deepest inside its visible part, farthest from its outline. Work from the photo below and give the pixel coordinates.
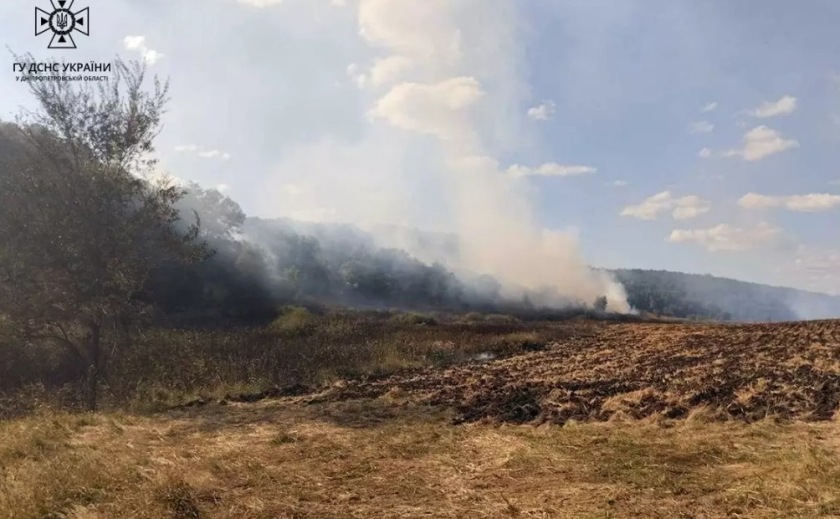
(599, 371)
(444, 442)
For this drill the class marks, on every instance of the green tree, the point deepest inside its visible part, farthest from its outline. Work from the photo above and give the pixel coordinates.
(82, 225)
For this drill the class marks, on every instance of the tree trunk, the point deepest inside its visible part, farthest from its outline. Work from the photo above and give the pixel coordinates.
(94, 370)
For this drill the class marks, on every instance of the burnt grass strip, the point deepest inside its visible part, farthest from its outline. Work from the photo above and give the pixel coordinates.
(250, 398)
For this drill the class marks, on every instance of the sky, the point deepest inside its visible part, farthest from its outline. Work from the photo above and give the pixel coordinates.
(690, 136)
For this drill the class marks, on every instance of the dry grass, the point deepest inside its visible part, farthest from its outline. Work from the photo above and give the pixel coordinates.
(380, 458)
(166, 367)
(385, 446)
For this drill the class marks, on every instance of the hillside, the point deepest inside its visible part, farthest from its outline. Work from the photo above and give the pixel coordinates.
(704, 296)
(335, 251)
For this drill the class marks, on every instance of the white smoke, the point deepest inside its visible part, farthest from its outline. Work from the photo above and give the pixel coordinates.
(446, 87)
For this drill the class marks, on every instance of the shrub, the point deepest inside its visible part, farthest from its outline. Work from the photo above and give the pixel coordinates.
(471, 317)
(413, 319)
(179, 499)
(294, 321)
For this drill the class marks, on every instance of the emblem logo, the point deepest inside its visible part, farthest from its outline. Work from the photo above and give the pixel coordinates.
(62, 22)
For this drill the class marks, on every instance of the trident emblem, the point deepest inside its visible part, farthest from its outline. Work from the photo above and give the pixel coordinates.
(62, 22)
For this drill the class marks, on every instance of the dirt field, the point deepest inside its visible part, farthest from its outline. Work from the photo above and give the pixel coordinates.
(746, 372)
(659, 421)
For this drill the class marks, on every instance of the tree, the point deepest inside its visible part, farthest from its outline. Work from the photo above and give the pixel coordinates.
(82, 225)
(232, 281)
(221, 217)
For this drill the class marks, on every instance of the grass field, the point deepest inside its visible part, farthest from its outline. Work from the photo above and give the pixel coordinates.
(374, 458)
(607, 421)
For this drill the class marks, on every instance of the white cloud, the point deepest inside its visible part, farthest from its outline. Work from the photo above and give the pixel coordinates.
(223, 188)
(151, 56)
(202, 152)
(683, 208)
(725, 237)
(710, 106)
(430, 108)
(701, 127)
(835, 182)
(619, 183)
(543, 112)
(550, 169)
(690, 207)
(134, 42)
(138, 43)
(784, 106)
(761, 142)
(384, 72)
(801, 203)
(705, 153)
(389, 70)
(426, 31)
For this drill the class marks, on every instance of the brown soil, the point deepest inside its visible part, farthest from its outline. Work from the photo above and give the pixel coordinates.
(602, 370)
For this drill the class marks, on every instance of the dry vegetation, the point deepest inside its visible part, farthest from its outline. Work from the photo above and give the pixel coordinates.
(375, 458)
(599, 370)
(658, 420)
(166, 367)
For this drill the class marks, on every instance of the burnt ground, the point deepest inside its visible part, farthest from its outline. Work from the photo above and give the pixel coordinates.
(638, 370)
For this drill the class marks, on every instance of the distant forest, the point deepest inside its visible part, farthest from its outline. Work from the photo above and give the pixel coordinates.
(707, 297)
(260, 263)
(257, 265)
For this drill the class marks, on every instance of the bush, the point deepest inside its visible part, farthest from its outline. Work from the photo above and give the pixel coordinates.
(471, 317)
(294, 321)
(413, 319)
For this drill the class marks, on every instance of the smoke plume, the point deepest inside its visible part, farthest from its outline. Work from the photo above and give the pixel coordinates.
(445, 94)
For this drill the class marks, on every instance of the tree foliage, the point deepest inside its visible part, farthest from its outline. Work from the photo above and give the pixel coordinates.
(82, 228)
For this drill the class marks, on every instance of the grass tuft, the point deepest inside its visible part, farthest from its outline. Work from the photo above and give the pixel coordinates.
(179, 499)
(294, 321)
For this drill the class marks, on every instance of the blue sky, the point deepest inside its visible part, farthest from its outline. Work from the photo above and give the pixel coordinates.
(681, 135)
